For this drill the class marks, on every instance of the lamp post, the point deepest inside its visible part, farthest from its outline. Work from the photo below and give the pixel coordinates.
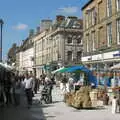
(1, 27)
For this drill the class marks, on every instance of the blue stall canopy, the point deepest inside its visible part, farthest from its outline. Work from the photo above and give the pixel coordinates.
(89, 73)
(75, 68)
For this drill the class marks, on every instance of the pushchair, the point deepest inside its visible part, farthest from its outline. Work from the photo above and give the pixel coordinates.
(45, 95)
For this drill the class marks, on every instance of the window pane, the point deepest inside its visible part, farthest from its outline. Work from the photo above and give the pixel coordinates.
(118, 5)
(109, 7)
(109, 34)
(79, 53)
(69, 39)
(118, 31)
(93, 41)
(79, 39)
(87, 43)
(70, 55)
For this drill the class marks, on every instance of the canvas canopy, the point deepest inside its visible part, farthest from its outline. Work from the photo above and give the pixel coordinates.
(75, 68)
(55, 71)
(91, 77)
(5, 66)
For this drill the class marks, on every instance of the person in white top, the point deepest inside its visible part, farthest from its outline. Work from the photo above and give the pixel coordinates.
(28, 83)
(70, 84)
(114, 105)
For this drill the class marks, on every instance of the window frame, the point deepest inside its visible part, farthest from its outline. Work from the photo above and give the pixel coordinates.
(118, 32)
(109, 34)
(68, 40)
(79, 58)
(109, 8)
(93, 40)
(70, 59)
(87, 43)
(118, 5)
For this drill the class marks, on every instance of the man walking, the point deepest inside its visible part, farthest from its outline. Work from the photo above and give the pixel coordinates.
(28, 82)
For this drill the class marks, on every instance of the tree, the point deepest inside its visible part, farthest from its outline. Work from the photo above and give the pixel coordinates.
(12, 53)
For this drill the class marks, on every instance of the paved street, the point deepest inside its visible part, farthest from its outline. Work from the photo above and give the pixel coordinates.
(56, 111)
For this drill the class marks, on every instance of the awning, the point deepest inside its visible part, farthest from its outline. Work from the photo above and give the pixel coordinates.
(117, 66)
(55, 71)
(91, 77)
(75, 68)
(6, 66)
(63, 70)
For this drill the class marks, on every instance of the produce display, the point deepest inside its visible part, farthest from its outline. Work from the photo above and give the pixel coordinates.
(80, 99)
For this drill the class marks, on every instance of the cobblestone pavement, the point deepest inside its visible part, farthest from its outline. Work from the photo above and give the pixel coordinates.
(55, 111)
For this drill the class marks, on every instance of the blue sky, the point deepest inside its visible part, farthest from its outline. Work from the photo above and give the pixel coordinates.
(21, 15)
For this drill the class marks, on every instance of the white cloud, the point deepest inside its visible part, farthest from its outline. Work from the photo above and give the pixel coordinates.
(68, 10)
(20, 26)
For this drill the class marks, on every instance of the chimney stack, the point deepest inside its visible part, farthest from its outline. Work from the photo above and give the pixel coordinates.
(72, 17)
(38, 30)
(31, 32)
(60, 18)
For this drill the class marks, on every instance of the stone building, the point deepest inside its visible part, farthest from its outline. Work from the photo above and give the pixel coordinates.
(25, 56)
(101, 26)
(58, 46)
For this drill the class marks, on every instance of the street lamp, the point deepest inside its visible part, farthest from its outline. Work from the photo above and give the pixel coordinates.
(1, 26)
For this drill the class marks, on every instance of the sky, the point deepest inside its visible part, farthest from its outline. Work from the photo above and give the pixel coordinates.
(22, 15)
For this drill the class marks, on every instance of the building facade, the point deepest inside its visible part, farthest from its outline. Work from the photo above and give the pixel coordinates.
(101, 26)
(59, 46)
(25, 56)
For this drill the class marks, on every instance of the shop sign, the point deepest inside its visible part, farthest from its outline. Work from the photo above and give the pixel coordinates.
(90, 58)
(117, 54)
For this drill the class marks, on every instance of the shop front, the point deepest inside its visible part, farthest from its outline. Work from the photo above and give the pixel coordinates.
(100, 64)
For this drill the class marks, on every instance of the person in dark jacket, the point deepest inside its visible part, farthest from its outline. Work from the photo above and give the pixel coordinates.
(7, 88)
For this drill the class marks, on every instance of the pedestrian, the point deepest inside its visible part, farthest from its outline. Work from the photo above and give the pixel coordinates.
(114, 105)
(49, 85)
(32, 77)
(7, 88)
(17, 92)
(12, 91)
(41, 82)
(119, 101)
(36, 85)
(63, 83)
(28, 83)
(105, 99)
(70, 84)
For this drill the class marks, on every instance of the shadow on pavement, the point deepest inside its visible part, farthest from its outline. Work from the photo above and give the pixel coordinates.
(91, 108)
(46, 105)
(22, 112)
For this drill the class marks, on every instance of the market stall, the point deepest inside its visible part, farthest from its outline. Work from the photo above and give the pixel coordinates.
(84, 96)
